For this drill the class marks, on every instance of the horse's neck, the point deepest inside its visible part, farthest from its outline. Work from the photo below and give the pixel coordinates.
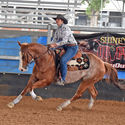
(40, 51)
(44, 60)
(40, 55)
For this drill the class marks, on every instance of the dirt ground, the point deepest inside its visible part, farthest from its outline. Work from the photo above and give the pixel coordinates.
(30, 112)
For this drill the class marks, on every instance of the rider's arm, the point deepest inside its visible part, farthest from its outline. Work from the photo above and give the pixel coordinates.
(67, 36)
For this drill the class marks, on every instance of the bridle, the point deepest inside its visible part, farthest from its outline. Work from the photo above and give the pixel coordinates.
(43, 54)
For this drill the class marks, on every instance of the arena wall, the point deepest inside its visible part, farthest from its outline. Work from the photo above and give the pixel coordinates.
(12, 81)
(13, 84)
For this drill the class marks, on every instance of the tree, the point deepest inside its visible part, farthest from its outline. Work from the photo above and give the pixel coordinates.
(93, 9)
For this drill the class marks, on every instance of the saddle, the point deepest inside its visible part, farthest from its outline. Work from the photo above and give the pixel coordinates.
(79, 62)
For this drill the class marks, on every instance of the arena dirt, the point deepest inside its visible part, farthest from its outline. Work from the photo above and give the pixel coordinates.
(30, 112)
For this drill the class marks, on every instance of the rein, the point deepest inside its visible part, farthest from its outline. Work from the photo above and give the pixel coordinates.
(34, 59)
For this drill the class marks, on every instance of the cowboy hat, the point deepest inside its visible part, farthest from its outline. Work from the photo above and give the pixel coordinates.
(65, 21)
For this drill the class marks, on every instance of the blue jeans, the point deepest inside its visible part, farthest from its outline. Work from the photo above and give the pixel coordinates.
(70, 52)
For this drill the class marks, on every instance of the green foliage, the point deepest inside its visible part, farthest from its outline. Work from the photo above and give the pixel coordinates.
(94, 5)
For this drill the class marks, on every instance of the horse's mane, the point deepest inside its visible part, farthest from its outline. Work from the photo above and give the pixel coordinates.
(36, 46)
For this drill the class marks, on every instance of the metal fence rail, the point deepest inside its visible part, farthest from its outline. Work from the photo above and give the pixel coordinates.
(74, 28)
(41, 12)
(34, 12)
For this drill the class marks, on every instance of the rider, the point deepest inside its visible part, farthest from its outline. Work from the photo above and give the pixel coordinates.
(64, 38)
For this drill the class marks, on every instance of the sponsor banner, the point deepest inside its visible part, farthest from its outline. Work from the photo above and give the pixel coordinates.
(107, 46)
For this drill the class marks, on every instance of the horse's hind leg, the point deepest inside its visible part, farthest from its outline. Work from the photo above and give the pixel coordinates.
(82, 87)
(92, 90)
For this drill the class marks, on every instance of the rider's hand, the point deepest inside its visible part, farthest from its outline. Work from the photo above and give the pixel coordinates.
(53, 45)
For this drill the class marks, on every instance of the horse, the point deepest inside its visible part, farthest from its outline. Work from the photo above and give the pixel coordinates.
(44, 73)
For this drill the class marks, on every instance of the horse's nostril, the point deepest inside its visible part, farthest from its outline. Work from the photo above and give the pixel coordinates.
(21, 69)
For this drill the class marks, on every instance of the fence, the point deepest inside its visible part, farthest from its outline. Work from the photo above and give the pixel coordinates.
(34, 12)
(9, 51)
(31, 15)
(40, 12)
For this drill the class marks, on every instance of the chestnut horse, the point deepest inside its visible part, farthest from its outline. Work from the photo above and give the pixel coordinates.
(44, 73)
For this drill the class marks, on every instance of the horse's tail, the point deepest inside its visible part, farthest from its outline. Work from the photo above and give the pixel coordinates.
(112, 76)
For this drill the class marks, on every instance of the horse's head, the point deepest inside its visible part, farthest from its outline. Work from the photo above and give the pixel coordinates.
(25, 56)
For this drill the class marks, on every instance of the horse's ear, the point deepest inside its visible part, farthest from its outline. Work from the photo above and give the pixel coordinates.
(19, 43)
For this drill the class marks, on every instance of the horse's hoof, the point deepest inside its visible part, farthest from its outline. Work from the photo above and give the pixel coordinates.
(10, 105)
(59, 108)
(38, 98)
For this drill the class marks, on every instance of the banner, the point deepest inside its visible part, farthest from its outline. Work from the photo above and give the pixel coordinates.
(109, 47)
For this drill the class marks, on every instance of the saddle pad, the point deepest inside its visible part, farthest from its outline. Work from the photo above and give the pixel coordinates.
(80, 63)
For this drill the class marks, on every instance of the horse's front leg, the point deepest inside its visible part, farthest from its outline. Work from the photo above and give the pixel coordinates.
(34, 96)
(27, 89)
(38, 84)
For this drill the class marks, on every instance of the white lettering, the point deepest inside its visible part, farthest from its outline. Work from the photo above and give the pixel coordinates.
(118, 65)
